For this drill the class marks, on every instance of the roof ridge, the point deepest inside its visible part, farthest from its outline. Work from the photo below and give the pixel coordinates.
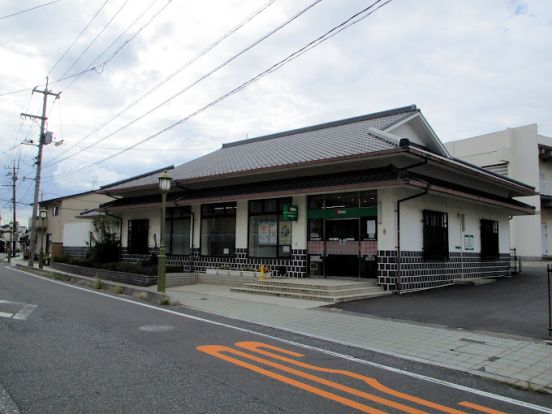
(375, 115)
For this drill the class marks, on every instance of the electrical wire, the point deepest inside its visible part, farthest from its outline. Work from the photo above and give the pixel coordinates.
(216, 69)
(96, 68)
(167, 79)
(91, 65)
(354, 19)
(95, 38)
(78, 37)
(28, 10)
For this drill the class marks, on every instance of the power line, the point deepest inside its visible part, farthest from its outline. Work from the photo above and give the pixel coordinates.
(78, 37)
(354, 19)
(216, 69)
(96, 68)
(165, 80)
(95, 38)
(91, 65)
(28, 10)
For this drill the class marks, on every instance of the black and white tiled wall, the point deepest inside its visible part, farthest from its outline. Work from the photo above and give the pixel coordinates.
(294, 266)
(417, 273)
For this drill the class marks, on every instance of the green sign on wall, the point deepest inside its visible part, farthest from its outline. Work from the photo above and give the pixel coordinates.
(290, 213)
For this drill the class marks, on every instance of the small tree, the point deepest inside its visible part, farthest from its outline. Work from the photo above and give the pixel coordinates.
(105, 244)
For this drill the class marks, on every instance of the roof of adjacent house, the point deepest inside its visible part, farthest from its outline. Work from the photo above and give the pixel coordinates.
(58, 199)
(347, 137)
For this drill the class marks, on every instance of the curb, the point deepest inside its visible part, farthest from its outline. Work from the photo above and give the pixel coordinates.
(100, 284)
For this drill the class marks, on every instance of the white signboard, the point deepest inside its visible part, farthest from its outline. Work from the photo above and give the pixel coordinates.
(468, 242)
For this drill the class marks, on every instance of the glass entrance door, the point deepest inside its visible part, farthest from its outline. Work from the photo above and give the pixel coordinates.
(342, 248)
(342, 235)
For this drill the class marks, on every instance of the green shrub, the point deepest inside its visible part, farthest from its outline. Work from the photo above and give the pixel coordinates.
(105, 246)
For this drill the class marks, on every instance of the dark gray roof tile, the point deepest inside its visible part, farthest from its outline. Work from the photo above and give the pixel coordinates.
(325, 141)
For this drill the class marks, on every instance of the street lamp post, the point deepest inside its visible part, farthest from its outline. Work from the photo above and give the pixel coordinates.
(43, 212)
(164, 187)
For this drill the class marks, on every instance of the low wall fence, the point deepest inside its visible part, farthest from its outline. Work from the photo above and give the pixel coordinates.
(122, 277)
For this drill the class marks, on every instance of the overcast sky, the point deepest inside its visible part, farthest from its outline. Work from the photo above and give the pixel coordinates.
(471, 66)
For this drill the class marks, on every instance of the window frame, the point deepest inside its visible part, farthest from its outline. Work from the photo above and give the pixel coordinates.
(435, 234)
(264, 211)
(230, 210)
(177, 214)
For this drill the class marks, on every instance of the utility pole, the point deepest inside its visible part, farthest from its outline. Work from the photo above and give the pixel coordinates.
(41, 143)
(13, 238)
(14, 229)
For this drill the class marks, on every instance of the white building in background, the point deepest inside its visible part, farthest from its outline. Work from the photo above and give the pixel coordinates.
(524, 155)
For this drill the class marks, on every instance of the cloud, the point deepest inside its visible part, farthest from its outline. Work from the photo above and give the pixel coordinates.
(471, 66)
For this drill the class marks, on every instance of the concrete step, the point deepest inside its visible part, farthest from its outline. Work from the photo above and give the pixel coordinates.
(342, 291)
(314, 297)
(315, 284)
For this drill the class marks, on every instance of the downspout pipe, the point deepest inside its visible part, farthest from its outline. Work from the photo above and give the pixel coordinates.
(402, 200)
(405, 176)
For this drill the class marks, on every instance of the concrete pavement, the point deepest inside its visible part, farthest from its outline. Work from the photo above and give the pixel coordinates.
(524, 362)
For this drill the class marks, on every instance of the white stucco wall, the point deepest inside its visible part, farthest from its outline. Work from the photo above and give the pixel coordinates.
(151, 214)
(77, 234)
(299, 227)
(412, 221)
(242, 212)
(196, 217)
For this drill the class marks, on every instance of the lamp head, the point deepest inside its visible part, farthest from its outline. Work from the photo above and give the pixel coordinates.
(43, 212)
(164, 182)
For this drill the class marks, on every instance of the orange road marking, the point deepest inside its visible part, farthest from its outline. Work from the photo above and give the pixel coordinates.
(217, 350)
(477, 407)
(256, 347)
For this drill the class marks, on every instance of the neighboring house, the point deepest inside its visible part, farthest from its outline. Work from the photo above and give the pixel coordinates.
(372, 196)
(65, 231)
(6, 236)
(523, 155)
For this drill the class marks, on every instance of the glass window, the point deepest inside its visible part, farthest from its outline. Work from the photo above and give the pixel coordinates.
(269, 234)
(316, 230)
(177, 231)
(218, 229)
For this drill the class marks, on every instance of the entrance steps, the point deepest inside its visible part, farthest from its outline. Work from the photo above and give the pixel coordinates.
(323, 290)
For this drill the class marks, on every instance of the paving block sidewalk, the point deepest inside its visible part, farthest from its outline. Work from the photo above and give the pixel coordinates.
(524, 362)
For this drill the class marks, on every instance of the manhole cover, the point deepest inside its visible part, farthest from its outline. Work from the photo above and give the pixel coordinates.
(156, 328)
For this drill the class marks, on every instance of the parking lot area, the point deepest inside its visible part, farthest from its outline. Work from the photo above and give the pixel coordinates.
(517, 305)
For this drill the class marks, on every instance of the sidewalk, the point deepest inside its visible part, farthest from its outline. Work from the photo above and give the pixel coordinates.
(527, 363)
(516, 360)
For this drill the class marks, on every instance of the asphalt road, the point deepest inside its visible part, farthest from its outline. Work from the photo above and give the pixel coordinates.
(516, 305)
(67, 349)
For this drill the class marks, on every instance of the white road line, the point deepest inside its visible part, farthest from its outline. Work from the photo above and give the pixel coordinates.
(22, 314)
(313, 348)
(25, 312)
